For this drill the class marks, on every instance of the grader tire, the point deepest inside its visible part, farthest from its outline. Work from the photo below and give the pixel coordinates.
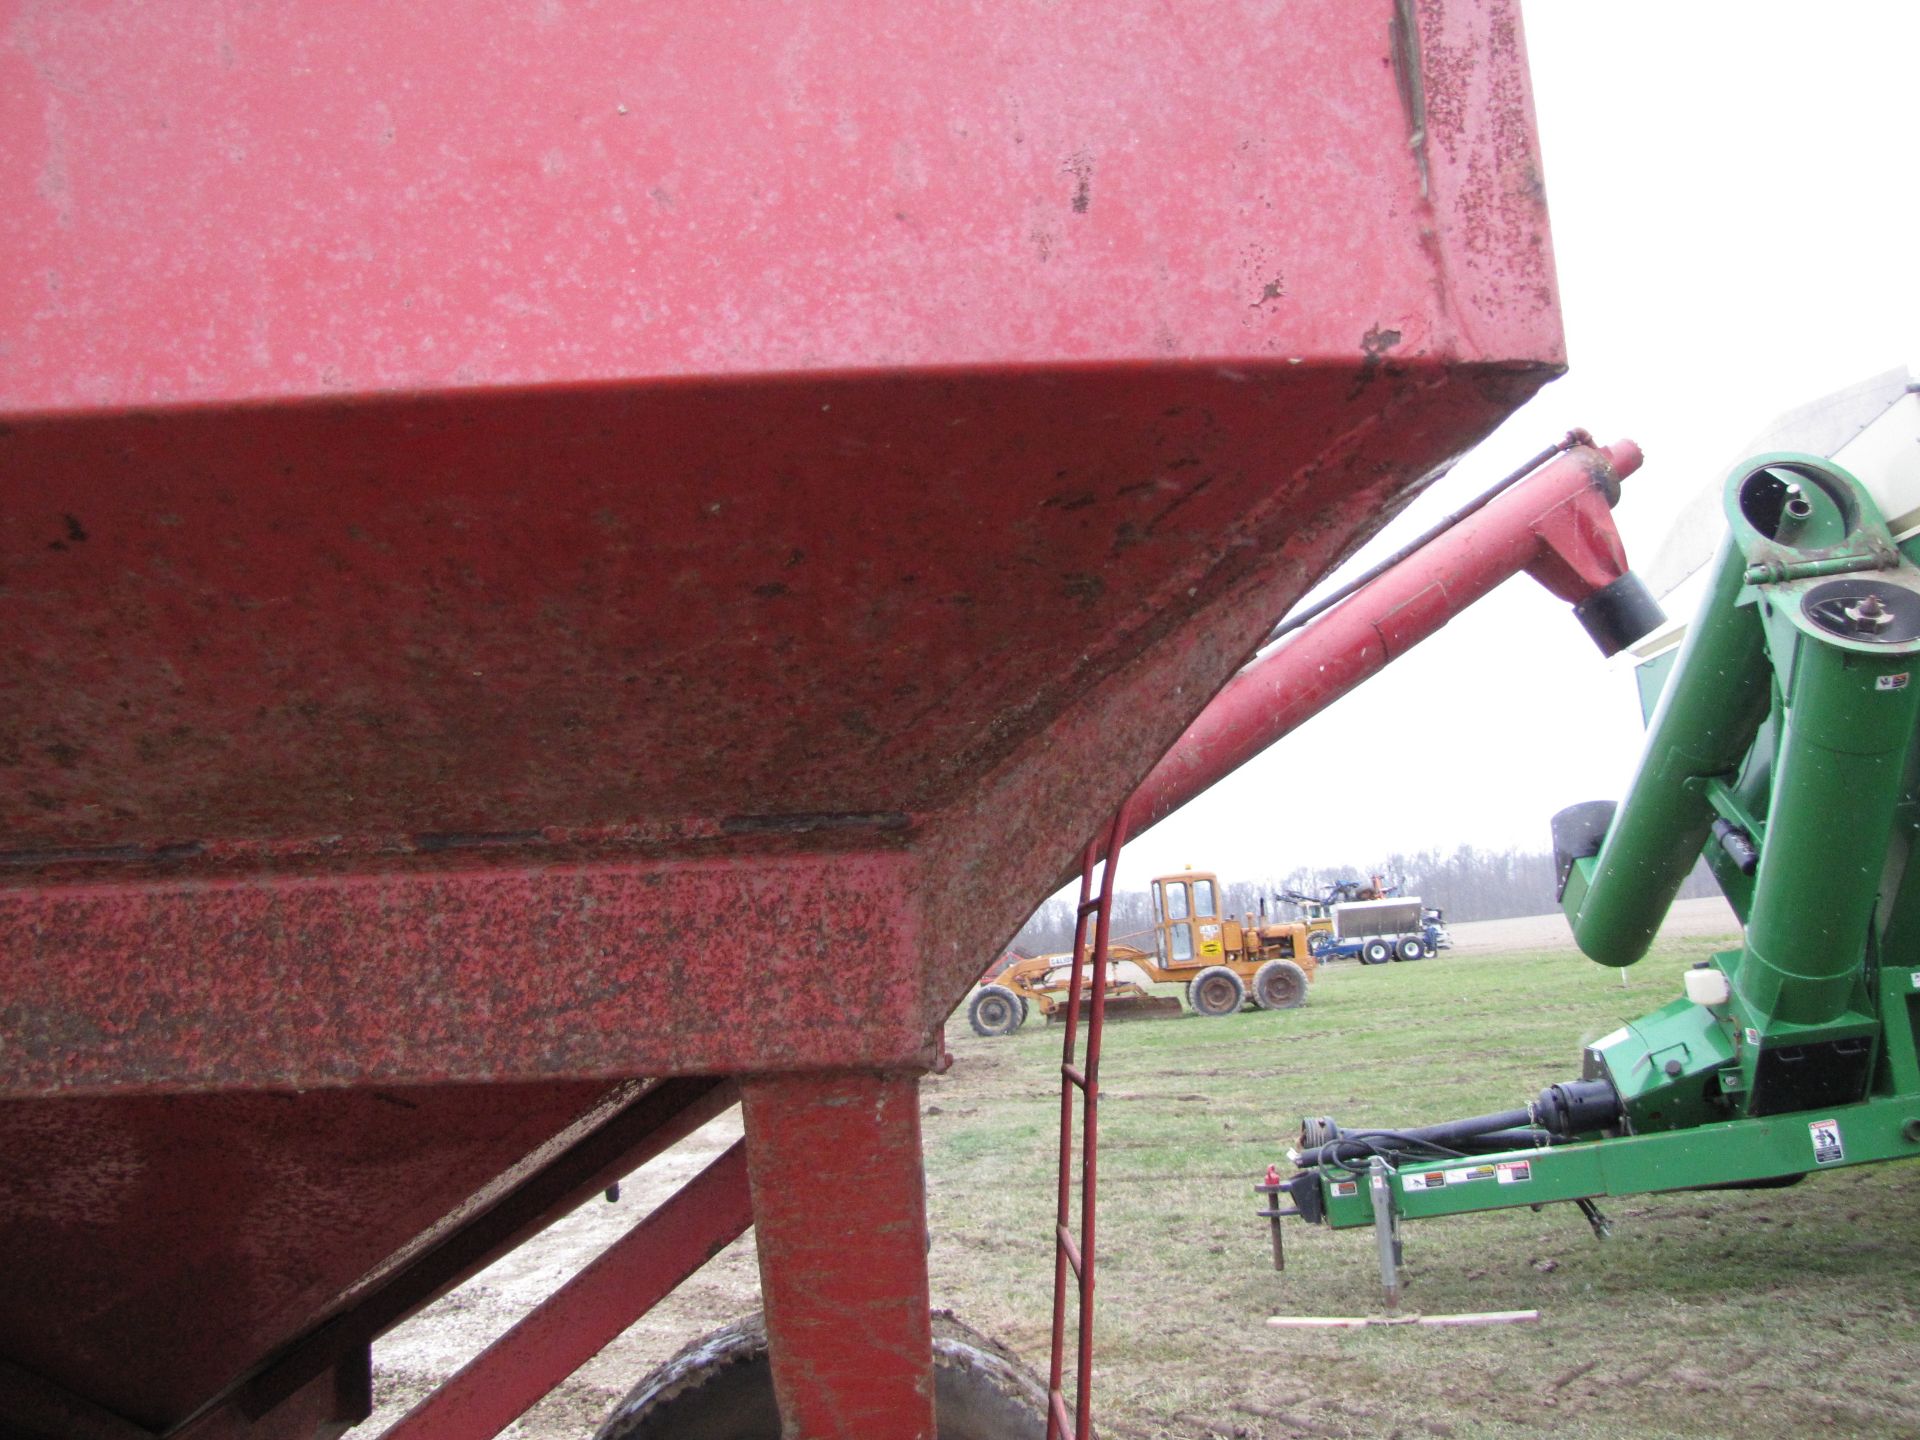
(1216, 991)
(995, 1010)
(721, 1388)
(1280, 985)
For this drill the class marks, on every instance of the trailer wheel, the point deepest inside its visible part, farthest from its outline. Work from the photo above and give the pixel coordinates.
(1280, 985)
(1375, 952)
(1318, 941)
(995, 1010)
(1409, 947)
(1216, 991)
(721, 1388)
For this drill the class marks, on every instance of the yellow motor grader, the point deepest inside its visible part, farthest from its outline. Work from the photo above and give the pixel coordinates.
(1223, 962)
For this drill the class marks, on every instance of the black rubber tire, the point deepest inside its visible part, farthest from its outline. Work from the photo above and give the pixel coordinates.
(721, 1388)
(1375, 952)
(1280, 985)
(995, 1010)
(1409, 947)
(1216, 991)
(1318, 942)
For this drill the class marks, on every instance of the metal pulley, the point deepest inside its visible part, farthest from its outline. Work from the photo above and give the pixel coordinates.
(1862, 608)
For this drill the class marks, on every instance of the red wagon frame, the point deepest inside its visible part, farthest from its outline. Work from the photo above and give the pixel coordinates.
(536, 545)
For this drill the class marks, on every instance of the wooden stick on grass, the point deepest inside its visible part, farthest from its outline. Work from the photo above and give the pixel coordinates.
(1358, 1322)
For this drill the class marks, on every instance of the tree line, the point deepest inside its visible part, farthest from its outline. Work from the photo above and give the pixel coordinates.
(1468, 884)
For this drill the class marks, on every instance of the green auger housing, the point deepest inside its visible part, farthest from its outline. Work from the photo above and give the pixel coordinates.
(1781, 748)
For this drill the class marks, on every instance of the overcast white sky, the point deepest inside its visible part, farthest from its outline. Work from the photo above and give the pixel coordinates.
(1736, 214)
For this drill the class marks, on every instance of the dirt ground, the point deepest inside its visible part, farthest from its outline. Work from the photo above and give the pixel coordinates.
(417, 1356)
(1711, 916)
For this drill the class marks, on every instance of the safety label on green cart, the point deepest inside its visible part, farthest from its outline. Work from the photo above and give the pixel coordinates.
(1440, 1179)
(1827, 1149)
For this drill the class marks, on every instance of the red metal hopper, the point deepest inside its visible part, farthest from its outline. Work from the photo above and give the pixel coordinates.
(538, 547)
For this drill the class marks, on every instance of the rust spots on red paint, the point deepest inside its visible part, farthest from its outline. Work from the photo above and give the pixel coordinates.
(843, 1252)
(1479, 116)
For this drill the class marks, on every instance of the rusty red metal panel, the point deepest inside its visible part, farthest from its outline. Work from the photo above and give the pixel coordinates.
(345, 782)
(261, 648)
(840, 1219)
(979, 877)
(503, 974)
(248, 202)
(299, 1227)
(688, 617)
(252, 1213)
(564, 1174)
(581, 1318)
(576, 557)
(34, 1406)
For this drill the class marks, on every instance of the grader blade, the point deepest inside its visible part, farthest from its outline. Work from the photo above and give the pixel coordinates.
(1141, 1006)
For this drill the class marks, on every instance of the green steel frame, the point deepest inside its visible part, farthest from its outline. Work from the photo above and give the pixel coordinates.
(1781, 746)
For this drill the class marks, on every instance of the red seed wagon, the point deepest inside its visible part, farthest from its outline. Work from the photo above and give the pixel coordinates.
(536, 540)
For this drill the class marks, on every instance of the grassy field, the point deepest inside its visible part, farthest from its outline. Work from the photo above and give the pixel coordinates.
(1755, 1314)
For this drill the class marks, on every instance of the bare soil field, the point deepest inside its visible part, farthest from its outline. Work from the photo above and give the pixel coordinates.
(1687, 918)
(1762, 1314)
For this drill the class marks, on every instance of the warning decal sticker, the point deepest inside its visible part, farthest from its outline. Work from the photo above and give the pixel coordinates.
(1827, 1149)
(1514, 1172)
(1440, 1179)
(1346, 1187)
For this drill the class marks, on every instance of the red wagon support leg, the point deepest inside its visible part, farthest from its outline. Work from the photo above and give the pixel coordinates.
(584, 1315)
(839, 1206)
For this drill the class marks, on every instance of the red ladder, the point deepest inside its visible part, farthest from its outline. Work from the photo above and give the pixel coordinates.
(1070, 1256)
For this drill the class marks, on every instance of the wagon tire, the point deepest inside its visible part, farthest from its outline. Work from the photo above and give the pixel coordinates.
(1280, 985)
(721, 1388)
(1318, 941)
(1216, 991)
(995, 1010)
(1410, 947)
(1375, 952)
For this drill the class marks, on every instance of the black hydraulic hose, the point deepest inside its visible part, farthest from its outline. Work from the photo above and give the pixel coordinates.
(1504, 1129)
(1452, 1132)
(1495, 1141)
(1351, 1152)
(1409, 1149)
